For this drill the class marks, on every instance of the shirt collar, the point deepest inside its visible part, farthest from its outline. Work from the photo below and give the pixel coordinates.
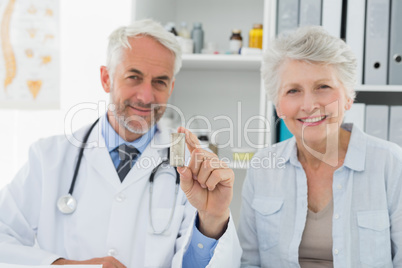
(113, 139)
(288, 152)
(355, 156)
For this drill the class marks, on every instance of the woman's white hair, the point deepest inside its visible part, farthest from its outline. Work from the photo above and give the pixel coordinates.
(119, 40)
(311, 44)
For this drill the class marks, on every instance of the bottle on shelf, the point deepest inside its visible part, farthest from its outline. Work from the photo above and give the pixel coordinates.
(197, 34)
(236, 41)
(171, 27)
(183, 31)
(255, 36)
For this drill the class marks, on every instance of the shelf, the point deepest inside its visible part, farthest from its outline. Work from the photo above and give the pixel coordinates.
(221, 62)
(379, 88)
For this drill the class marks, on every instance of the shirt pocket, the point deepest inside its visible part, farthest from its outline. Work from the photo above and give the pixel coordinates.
(267, 217)
(160, 248)
(374, 237)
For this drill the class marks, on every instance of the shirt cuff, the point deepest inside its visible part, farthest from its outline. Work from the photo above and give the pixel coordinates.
(202, 245)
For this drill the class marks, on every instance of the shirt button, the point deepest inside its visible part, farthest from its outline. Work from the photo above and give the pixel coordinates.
(112, 252)
(336, 251)
(120, 197)
(336, 216)
(339, 187)
(201, 246)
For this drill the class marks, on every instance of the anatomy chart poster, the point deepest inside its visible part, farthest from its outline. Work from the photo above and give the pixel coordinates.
(29, 60)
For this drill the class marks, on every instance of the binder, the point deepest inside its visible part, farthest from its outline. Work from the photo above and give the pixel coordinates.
(355, 28)
(332, 16)
(395, 46)
(310, 12)
(395, 125)
(287, 15)
(377, 121)
(356, 115)
(376, 50)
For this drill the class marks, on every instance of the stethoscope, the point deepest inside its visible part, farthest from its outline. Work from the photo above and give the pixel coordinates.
(67, 204)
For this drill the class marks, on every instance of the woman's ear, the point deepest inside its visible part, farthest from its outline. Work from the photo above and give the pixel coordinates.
(278, 111)
(348, 104)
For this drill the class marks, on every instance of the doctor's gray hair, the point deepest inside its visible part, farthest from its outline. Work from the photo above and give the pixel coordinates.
(310, 44)
(119, 40)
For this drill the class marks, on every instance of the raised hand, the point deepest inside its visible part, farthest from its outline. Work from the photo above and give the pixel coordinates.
(208, 185)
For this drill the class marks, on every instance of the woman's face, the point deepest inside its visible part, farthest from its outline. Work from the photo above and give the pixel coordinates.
(311, 100)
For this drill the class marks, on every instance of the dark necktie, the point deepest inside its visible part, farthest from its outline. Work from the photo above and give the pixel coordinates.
(127, 154)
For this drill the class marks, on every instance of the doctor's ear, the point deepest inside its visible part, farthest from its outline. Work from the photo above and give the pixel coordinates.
(105, 78)
(171, 90)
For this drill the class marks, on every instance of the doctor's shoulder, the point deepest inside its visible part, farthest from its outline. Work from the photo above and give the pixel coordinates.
(61, 144)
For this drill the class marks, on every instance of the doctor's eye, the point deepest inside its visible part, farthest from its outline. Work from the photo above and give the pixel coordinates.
(134, 77)
(160, 84)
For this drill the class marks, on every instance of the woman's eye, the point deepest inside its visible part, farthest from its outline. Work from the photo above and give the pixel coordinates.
(324, 86)
(292, 91)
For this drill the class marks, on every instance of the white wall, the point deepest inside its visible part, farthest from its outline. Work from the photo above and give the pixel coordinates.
(84, 29)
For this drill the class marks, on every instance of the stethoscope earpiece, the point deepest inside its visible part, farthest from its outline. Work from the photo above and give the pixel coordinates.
(67, 204)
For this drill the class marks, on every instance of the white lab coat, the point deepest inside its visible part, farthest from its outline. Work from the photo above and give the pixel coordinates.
(112, 218)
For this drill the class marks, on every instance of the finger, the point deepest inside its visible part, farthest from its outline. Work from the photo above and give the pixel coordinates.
(117, 263)
(207, 167)
(224, 177)
(112, 262)
(204, 173)
(191, 139)
(186, 179)
(197, 158)
(207, 176)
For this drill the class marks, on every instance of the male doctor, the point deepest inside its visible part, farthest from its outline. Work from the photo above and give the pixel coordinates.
(114, 223)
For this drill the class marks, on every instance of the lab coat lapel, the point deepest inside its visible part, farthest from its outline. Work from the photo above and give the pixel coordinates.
(99, 159)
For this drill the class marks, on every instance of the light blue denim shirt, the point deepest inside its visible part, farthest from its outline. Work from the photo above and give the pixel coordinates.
(195, 255)
(367, 217)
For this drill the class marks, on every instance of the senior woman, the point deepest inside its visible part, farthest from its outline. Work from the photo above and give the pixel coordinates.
(334, 197)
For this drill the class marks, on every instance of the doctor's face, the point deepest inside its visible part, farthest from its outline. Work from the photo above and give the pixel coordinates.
(312, 100)
(142, 84)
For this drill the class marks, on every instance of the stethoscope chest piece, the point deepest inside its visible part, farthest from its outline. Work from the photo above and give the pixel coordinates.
(67, 204)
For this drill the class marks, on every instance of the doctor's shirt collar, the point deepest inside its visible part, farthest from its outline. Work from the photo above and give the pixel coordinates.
(113, 139)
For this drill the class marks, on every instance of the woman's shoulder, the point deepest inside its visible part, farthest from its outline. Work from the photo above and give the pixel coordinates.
(379, 146)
